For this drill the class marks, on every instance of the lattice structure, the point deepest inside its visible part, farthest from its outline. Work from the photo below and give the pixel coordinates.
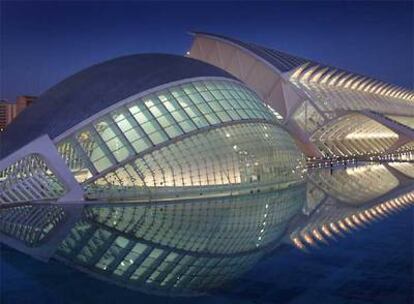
(355, 185)
(30, 223)
(323, 107)
(185, 247)
(28, 180)
(333, 222)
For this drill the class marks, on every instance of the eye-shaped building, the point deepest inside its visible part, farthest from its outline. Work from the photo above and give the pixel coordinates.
(157, 172)
(172, 175)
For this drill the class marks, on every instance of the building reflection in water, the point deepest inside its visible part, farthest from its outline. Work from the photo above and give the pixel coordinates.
(175, 177)
(348, 199)
(183, 247)
(194, 245)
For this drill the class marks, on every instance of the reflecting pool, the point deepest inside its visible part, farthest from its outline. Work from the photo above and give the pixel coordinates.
(336, 235)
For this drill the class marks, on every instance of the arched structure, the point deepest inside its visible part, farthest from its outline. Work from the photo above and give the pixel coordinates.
(150, 134)
(311, 96)
(170, 175)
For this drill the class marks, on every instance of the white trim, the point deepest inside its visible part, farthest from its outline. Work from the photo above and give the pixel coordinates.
(241, 48)
(44, 147)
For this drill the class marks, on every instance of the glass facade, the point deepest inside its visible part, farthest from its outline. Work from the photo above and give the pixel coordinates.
(316, 96)
(237, 157)
(183, 187)
(331, 95)
(184, 247)
(29, 179)
(196, 138)
(156, 119)
(198, 181)
(30, 224)
(354, 134)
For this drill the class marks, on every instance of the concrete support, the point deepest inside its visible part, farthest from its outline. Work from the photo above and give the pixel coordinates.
(44, 147)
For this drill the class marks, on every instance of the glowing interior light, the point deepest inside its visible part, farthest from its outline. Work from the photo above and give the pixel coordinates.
(355, 85)
(328, 75)
(363, 218)
(317, 235)
(326, 231)
(298, 243)
(318, 75)
(308, 73)
(385, 208)
(349, 82)
(334, 228)
(299, 70)
(379, 210)
(308, 239)
(342, 225)
(356, 220)
(350, 224)
(342, 80)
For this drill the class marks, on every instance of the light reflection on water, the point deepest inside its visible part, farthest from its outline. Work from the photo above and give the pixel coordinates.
(346, 219)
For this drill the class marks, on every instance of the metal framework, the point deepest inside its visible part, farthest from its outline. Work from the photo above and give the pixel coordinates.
(180, 186)
(133, 194)
(311, 96)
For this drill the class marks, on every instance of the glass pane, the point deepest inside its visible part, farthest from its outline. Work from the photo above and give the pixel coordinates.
(187, 126)
(102, 164)
(104, 130)
(158, 137)
(93, 151)
(141, 144)
(173, 131)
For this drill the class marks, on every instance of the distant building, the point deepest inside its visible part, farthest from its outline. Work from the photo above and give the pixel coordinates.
(10, 110)
(4, 105)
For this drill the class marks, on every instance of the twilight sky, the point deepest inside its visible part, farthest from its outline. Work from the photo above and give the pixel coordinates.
(45, 42)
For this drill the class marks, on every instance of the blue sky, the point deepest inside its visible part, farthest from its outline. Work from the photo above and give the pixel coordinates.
(45, 42)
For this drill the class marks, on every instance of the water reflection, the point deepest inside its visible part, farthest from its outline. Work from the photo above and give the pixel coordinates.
(182, 247)
(345, 200)
(193, 246)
